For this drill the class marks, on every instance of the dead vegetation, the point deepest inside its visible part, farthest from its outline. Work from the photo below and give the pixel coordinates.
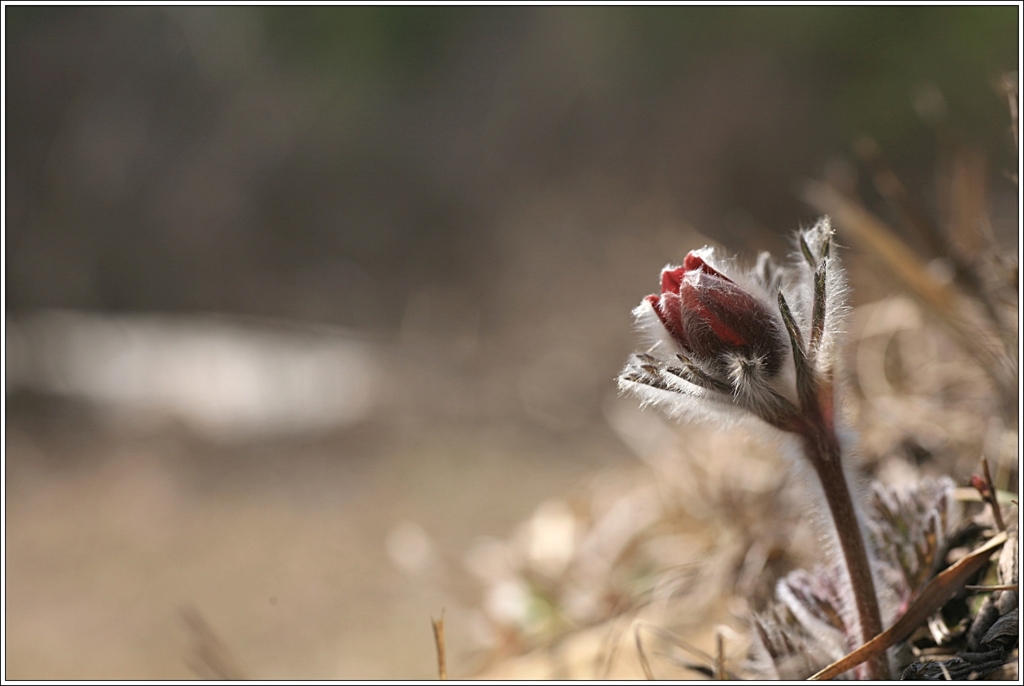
(655, 572)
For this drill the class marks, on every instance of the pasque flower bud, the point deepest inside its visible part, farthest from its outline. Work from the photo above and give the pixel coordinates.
(718, 338)
(712, 319)
(727, 343)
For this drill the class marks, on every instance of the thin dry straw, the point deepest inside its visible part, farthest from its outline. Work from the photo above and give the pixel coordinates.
(442, 663)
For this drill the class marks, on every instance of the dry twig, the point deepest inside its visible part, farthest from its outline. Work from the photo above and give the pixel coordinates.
(209, 657)
(442, 664)
(932, 597)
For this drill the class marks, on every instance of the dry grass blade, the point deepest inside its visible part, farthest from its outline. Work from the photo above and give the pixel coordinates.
(992, 589)
(706, 664)
(933, 596)
(442, 661)
(895, 193)
(990, 496)
(945, 672)
(969, 230)
(719, 656)
(945, 301)
(882, 241)
(1009, 83)
(641, 655)
(209, 657)
(968, 219)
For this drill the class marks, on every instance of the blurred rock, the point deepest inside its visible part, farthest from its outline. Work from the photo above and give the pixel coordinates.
(228, 378)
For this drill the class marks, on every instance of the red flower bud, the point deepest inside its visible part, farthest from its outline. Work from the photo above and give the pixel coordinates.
(980, 485)
(709, 315)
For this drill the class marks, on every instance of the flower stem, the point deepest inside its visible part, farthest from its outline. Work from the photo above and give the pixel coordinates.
(823, 451)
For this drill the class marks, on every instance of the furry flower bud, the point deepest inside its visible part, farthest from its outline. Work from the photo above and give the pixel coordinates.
(714, 320)
(720, 348)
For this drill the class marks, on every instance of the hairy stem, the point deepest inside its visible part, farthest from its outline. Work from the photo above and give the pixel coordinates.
(823, 451)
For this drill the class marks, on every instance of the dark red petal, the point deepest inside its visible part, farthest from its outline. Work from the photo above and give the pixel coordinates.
(719, 317)
(667, 308)
(695, 263)
(672, 279)
(718, 307)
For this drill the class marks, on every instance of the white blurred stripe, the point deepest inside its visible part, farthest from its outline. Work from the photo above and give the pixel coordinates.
(227, 377)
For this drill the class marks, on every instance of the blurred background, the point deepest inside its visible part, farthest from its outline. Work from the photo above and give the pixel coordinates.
(302, 304)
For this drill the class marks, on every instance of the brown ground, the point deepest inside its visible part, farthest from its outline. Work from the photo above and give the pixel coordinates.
(113, 531)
